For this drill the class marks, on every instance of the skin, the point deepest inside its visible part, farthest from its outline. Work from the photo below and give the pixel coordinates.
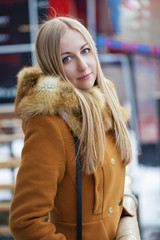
(78, 61)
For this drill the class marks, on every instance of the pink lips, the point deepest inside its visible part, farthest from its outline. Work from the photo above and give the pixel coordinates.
(85, 77)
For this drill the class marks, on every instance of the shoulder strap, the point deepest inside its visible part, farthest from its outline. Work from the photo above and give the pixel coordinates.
(79, 190)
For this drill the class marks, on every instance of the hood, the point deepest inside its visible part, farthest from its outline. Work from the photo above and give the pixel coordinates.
(48, 95)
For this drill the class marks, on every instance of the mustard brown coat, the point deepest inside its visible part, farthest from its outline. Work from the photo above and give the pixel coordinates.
(46, 180)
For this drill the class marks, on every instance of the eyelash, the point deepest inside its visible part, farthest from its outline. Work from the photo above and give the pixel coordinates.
(86, 49)
(64, 60)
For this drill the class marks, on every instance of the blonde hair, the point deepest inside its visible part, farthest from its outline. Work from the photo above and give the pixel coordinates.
(92, 139)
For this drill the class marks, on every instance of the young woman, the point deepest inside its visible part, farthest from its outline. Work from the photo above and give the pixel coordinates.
(68, 96)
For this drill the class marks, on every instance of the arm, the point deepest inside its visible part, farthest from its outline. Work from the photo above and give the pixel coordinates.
(41, 170)
(128, 228)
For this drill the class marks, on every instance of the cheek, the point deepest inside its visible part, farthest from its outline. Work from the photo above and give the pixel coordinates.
(94, 66)
(67, 71)
(92, 60)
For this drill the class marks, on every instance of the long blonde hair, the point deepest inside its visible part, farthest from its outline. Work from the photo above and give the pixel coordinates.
(92, 139)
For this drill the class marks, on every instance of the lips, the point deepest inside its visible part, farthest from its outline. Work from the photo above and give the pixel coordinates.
(85, 77)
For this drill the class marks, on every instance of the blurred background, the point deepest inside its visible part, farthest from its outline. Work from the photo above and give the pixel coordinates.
(127, 36)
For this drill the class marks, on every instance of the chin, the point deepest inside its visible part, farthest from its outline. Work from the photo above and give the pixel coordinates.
(86, 86)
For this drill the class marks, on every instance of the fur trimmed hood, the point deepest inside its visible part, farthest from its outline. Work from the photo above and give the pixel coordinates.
(39, 94)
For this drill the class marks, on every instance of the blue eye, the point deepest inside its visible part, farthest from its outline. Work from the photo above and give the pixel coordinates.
(66, 59)
(86, 50)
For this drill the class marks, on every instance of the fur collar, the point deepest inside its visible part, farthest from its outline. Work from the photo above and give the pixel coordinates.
(39, 94)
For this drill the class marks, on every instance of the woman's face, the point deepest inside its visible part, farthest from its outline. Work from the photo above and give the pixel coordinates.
(78, 61)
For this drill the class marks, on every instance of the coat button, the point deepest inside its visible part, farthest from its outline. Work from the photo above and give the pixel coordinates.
(110, 210)
(120, 202)
(113, 161)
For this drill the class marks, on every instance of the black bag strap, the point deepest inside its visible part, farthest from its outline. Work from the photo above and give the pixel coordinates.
(79, 189)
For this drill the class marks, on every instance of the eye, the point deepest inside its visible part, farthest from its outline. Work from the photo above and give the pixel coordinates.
(66, 59)
(86, 50)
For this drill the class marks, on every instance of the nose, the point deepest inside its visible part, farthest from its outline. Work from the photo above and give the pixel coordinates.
(82, 64)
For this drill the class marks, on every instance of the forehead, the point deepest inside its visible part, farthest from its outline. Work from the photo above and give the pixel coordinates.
(72, 40)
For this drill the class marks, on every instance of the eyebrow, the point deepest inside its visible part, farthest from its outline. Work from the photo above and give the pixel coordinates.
(65, 53)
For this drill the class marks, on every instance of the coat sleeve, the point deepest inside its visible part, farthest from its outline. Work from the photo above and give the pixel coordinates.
(128, 227)
(42, 169)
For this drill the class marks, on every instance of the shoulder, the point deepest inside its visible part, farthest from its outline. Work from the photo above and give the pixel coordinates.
(46, 124)
(46, 135)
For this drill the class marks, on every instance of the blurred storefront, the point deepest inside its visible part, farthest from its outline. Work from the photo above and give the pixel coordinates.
(136, 35)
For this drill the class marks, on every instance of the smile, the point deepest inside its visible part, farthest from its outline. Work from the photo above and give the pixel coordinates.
(85, 77)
